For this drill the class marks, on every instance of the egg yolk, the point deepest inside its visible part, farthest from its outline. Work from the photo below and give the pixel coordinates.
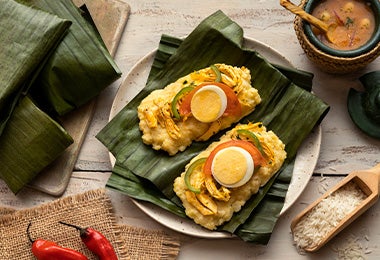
(208, 103)
(232, 167)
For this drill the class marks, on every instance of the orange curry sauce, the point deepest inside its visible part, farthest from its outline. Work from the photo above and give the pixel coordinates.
(354, 21)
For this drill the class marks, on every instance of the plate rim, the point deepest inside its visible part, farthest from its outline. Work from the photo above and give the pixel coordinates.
(149, 208)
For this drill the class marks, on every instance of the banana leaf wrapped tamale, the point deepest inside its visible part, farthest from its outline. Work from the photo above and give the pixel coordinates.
(31, 39)
(81, 66)
(289, 110)
(27, 38)
(30, 141)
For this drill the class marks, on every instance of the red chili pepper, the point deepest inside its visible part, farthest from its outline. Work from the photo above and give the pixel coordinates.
(48, 250)
(96, 242)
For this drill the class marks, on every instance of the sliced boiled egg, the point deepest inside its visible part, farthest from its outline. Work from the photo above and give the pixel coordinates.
(232, 167)
(208, 103)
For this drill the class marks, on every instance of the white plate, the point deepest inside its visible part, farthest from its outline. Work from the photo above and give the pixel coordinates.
(305, 161)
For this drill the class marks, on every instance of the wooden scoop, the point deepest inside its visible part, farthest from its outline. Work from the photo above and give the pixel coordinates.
(368, 181)
(327, 29)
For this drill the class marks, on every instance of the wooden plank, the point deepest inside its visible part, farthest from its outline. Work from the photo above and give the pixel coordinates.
(110, 17)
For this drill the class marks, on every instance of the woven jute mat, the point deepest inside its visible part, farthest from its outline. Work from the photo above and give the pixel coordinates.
(149, 244)
(92, 208)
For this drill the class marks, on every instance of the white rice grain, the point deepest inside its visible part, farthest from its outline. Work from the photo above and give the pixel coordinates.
(326, 215)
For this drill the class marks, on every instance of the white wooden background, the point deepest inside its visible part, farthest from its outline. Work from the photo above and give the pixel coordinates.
(344, 148)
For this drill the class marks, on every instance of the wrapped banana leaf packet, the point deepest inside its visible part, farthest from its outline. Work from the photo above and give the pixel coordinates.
(290, 110)
(23, 53)
(45, 72)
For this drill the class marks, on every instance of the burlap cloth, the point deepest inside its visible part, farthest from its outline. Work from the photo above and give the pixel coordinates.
(92, 208)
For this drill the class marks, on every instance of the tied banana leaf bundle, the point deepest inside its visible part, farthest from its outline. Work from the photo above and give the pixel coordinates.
(28, 38)
(30, 141)
(44, 41)
(79, 69)
(289, 110)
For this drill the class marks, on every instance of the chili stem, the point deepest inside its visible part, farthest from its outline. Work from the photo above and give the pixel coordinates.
(70, 225)
(28, 233)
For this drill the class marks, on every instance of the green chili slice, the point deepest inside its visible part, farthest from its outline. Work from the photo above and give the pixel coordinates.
(217, 73)
(190, 172)
(176, 99)
(253, 137)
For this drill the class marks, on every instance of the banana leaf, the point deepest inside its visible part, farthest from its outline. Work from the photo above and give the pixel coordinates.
(169, 44)
(255, 222)
(134, 184)
(79, 69)
(30, 141)
(290, 111)
(27, 39)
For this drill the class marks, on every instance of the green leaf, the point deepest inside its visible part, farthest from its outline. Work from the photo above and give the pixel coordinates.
(79, 69)
(30, 141)
(27, 39)
(256, 221)
(301, 78)
(125, 181)
(169, 44)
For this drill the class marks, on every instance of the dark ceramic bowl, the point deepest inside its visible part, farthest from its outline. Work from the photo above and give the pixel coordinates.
(331, 60)
(371, 43)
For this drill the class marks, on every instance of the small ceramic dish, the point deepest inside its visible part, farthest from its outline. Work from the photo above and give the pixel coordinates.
(334, 60)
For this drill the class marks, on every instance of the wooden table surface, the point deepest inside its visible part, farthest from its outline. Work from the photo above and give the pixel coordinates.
(343, 148)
